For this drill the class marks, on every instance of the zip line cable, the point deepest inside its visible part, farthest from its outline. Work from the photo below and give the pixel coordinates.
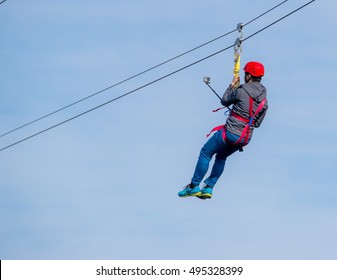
(266, 12)
(136, 75)
(280, 19)
(154, 81)
(2, 1)
(115, 99)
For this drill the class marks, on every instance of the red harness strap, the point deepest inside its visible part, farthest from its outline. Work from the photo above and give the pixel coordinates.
(217, 128)
(249, 122)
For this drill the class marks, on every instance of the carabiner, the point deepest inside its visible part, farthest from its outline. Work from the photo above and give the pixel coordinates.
(238, 41)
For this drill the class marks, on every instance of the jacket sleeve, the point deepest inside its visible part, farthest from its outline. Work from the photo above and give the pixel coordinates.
(229, 96)
(261, 116)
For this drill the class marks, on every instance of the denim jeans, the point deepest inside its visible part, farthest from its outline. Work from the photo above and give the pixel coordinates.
(215, 145)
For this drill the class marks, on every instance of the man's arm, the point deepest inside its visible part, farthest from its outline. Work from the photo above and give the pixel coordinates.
(261, 116)
(229, 96)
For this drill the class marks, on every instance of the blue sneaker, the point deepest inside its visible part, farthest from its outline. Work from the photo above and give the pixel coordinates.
(206, 192)
(190, 191)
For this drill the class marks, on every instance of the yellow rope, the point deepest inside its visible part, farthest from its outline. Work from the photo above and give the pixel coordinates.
(236, 69)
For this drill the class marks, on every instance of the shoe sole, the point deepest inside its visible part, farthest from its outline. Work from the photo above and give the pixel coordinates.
(204, 196)
(194, 194)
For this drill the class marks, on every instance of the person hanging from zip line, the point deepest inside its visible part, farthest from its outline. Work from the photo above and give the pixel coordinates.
(248, 111)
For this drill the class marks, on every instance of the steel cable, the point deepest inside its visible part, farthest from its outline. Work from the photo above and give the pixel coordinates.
(134, 76)
(154, 81)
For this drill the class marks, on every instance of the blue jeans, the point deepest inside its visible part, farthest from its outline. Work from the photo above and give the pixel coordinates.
(215, 145)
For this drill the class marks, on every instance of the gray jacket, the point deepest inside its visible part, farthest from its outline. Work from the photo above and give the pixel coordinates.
(240, 100)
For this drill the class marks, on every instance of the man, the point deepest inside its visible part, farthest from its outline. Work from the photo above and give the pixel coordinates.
(248, 111)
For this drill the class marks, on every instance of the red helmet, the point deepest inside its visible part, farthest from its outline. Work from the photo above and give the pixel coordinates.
(255, 69)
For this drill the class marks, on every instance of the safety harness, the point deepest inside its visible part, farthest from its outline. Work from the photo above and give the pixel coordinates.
(245, 135)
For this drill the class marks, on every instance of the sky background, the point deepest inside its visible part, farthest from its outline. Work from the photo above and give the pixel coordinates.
(104, 186)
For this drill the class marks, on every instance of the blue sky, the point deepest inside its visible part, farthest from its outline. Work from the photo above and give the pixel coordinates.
(104, 186)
